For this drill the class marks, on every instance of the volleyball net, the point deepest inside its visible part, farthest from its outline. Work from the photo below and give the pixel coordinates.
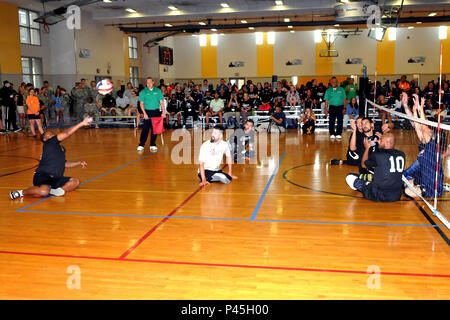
(425, 141)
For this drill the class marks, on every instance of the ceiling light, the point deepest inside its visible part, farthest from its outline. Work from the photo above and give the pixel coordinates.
(411, 27)
(279, 3)
(419, 22)
(432, 14)
(131, 10)
(213, 30)
(287, 20)
(243, 21)
(336, 25)
(202, 23)
(224, 5)
(251, 28)
(290, 27)
(292, 31)
(168, 25)
(107, 1)
(173, 8)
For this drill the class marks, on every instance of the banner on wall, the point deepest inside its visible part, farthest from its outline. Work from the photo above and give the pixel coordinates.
(294, 62)
(236, 64)
(416, 60)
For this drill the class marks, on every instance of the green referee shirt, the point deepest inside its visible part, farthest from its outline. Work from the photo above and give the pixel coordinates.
(151, 98)
(335, 96)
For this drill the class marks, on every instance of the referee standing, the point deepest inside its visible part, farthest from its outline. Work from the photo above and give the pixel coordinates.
(335, 104)
(151, 101)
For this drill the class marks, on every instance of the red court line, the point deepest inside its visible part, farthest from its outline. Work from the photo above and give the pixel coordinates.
(142, 239)
(203, 264)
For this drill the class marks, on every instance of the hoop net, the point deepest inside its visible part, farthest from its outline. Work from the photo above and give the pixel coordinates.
(427, 172)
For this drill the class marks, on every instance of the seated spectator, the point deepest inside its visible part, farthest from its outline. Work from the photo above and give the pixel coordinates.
(280, 94)
(204, 106)
(108, 105)
(308, 120)
(134, 103)
(122, 104)
(91, 110)
(293, 97)
(351, 112)
(232, 109)
(173, 109)
(216, 108)
(190, 108)
(277, 121)
(246, 105)
(129, 91)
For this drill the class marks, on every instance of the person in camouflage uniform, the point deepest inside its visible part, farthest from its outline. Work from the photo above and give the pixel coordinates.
(80, 96)
(65, 102)
(51, 105)
(42, 96)
(93, 91)
(92, 110)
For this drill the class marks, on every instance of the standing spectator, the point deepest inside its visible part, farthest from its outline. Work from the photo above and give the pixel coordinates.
(33, 105)
(9, 94)
(50, 93)
(335, 102)
(93, 90)
(65, 103)
(57, 99)
(80, 95)
(351, 89)
(20, 102)
(152, 104)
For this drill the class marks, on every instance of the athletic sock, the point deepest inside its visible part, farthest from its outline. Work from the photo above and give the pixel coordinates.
(366, 177)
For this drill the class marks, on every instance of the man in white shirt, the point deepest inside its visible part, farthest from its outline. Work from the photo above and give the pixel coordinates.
(210, 159)
(215, 109)
(122, 103)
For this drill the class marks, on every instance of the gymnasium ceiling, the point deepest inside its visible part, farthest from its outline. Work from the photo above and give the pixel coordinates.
(156, 16)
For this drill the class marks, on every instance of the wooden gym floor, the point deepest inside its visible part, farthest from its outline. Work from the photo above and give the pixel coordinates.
(139, 227)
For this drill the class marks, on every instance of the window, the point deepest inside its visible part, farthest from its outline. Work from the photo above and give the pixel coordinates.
(32, 71)
(134, 76)
(133, 47)
(30, 32)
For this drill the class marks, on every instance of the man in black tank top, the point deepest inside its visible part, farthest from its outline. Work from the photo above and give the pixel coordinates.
(388, 164)
(49, 177)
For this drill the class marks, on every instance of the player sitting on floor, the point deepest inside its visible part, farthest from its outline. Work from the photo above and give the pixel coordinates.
(210, 158)
(49, 176)
(355, 146)
(388, 164)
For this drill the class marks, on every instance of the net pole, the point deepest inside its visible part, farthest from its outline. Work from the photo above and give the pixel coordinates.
(438, 133)
(375, 95)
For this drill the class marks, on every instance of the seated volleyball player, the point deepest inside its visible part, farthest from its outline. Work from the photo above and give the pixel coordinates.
(210, 158)
(389, 163)
(242, 142)
(356, 145)
(49, 176)
(421, 174)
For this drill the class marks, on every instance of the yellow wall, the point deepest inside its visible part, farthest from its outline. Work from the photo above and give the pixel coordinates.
(446, 53)
(264, 58)
(209, 59)
(10, 55)
(324, 65)
(386, 56)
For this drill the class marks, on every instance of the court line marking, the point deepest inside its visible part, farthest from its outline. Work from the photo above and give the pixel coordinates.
(99, 176)
(205, 264)
(238, 219)
(258, 205)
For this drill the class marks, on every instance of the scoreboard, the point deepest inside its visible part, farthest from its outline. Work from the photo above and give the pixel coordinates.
(165, 55)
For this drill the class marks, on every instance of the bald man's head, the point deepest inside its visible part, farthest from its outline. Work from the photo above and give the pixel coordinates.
(387, 141)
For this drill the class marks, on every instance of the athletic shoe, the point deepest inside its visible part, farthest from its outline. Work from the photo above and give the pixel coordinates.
(350, 179)
(14, 194)
(338, 137)
(332, 136)
(153, 148)
(18, 130)
(57, 192)
(335, 161)
(446, 187)
(140, 148)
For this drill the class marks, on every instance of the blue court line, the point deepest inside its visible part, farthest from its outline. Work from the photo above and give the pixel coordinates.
(99, 176)
(258, 205)
(237, 219)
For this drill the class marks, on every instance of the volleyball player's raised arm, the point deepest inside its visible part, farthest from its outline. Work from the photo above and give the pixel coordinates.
(66, 134)
(354, 133)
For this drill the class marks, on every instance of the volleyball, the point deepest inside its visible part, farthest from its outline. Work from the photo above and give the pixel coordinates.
(105, 86)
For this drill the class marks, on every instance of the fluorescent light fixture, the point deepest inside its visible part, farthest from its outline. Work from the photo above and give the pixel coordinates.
(173, 8)
(107, 1)
(213, 30)
(290, 27)
(259, 38)
(224, 5)
(432, 14)
(278, 3)
(410, 27)
(202, 40)
(419, 22)
(392, 34)
(202, 23)
(168, 25)
(287, 20)
(214, 40)
(317, 36)
(292, 31)
(271, 37)
(251, 28)
(243, 21)
(336, 25)
(130, 10)
(442, 32)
